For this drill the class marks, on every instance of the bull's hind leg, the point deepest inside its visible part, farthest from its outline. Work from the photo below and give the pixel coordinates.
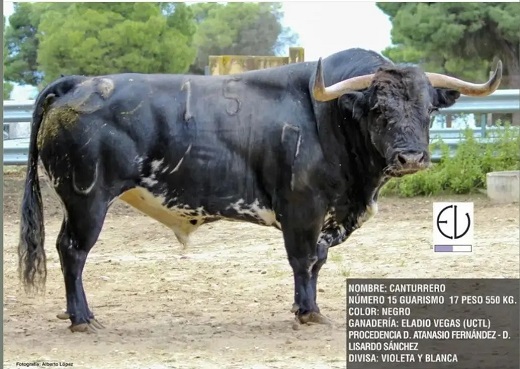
(63, 233)
(79, 232)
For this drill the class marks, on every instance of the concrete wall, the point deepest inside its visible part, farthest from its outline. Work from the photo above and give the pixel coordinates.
(232, 64)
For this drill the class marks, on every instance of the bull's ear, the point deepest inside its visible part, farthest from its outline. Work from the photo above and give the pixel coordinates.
(443, 98)
(353, 102)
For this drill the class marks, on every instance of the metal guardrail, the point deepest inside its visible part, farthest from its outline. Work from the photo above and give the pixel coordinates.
(501, 101)
(16, 151)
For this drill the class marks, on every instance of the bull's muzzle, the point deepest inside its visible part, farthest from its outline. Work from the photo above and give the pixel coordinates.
(408, 162)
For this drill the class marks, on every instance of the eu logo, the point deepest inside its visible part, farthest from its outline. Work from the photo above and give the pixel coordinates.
(452, 226)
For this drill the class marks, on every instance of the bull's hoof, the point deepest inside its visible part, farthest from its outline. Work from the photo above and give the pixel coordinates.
(83, 327)
(314, 318)
(63, 316)
(295, 308)
(91, 327)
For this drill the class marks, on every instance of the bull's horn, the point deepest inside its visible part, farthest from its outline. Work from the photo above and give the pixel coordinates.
(322, 93)
(467, 88)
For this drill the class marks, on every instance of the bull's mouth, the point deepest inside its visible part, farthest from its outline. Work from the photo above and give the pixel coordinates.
(398, 171)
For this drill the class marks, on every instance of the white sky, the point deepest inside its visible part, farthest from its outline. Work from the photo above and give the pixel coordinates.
(326, 27)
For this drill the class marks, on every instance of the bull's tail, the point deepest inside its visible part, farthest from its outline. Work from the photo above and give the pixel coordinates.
(31, 254)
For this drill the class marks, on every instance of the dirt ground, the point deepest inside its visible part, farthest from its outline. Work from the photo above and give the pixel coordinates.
(224, 301)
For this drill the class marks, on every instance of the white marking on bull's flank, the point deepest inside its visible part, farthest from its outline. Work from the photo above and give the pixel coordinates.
(139, 161)
(264, 215)
(187, 86)
(298, 145)
(180, 161)
(200, 210)
(86, 143)
(288, 126)
(177, 166)
(283, 131)
(156, 164)
(166, 168)
(87, 190)
(150, 181)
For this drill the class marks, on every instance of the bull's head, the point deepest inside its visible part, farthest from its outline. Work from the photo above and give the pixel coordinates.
(395, 104)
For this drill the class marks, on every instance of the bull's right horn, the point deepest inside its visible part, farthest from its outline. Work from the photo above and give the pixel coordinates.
(322, 93)
(467, 88)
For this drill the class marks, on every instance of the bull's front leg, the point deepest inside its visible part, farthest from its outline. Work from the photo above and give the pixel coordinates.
(321, 253)
(306, 258)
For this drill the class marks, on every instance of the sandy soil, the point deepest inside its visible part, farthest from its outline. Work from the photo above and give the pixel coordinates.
(224, 301)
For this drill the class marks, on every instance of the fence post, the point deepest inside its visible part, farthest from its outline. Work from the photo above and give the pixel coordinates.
(296, 54)
(483, 125)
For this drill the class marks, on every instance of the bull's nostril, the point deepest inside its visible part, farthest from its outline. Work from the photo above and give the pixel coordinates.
(421, 158)
(401, 158)
(410, 158)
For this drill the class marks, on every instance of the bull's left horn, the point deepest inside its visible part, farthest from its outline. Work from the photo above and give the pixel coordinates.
(322, 93)
(468, 88)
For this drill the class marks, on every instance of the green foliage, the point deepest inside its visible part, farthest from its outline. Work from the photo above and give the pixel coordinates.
(180, 16)
(102, 38)
(239, 29)
(8, 88)
(21, 44)
(45, 40)
(456, 38)
(465, 171)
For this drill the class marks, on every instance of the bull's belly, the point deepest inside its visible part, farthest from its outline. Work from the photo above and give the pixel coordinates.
(184, 220)
(182, 223)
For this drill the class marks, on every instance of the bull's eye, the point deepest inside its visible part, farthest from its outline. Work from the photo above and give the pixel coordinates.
(376, 110)
(382, 121)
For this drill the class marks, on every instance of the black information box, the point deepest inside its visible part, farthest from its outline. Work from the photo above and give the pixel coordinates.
(433, 323)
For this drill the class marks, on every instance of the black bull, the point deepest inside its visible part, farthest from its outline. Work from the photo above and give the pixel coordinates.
(273, 147)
